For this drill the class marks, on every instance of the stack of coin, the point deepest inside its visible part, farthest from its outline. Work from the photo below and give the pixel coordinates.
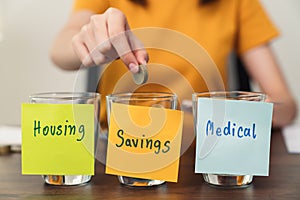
(4, 149)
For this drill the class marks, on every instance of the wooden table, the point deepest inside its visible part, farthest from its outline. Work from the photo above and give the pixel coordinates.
(283, 182)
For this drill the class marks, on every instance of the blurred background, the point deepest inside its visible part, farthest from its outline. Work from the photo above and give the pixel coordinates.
(28, 27)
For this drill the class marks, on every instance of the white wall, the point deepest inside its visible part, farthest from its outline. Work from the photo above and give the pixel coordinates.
(285, 14)
(29, 27)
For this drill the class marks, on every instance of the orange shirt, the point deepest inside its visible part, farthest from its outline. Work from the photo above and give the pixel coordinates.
(177, 62)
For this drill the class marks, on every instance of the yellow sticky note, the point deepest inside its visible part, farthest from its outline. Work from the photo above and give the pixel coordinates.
(144, 142)
(58, 139)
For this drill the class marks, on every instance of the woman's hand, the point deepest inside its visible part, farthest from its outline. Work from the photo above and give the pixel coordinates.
(94, 39)
(107, 37)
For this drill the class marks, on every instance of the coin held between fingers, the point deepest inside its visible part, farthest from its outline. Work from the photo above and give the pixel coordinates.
(141, 76)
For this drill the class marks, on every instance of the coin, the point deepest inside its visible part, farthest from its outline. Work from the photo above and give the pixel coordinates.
(4, 149)
(141, 76)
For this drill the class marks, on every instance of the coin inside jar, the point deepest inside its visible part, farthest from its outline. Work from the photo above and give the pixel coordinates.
(4, 149)
(141, 76)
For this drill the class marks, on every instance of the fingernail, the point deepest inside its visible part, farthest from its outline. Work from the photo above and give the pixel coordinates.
(133, 68)
(144, 62)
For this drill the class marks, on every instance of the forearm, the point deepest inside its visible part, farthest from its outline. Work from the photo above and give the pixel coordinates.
(284, 111)
(263, 68)
(62, 53)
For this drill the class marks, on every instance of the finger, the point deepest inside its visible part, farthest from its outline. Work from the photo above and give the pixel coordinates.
(121, 45)
(124, 51)
(98, 58)
(141, 56)
(116, 22)
(82, 51)
(104, 51)
(87, 36)
(137, 47)
(95, 53)
(106, 48)
(99, 27)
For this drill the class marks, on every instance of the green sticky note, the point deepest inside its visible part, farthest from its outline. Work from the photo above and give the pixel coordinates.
(58, 139)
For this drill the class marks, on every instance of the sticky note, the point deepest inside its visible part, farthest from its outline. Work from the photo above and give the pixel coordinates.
(233, 137)
(58, 139)
(144, 142)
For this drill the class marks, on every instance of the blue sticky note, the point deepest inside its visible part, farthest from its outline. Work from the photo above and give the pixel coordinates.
(233, 137)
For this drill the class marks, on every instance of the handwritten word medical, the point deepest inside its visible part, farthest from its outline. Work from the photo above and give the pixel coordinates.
(231, 129)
